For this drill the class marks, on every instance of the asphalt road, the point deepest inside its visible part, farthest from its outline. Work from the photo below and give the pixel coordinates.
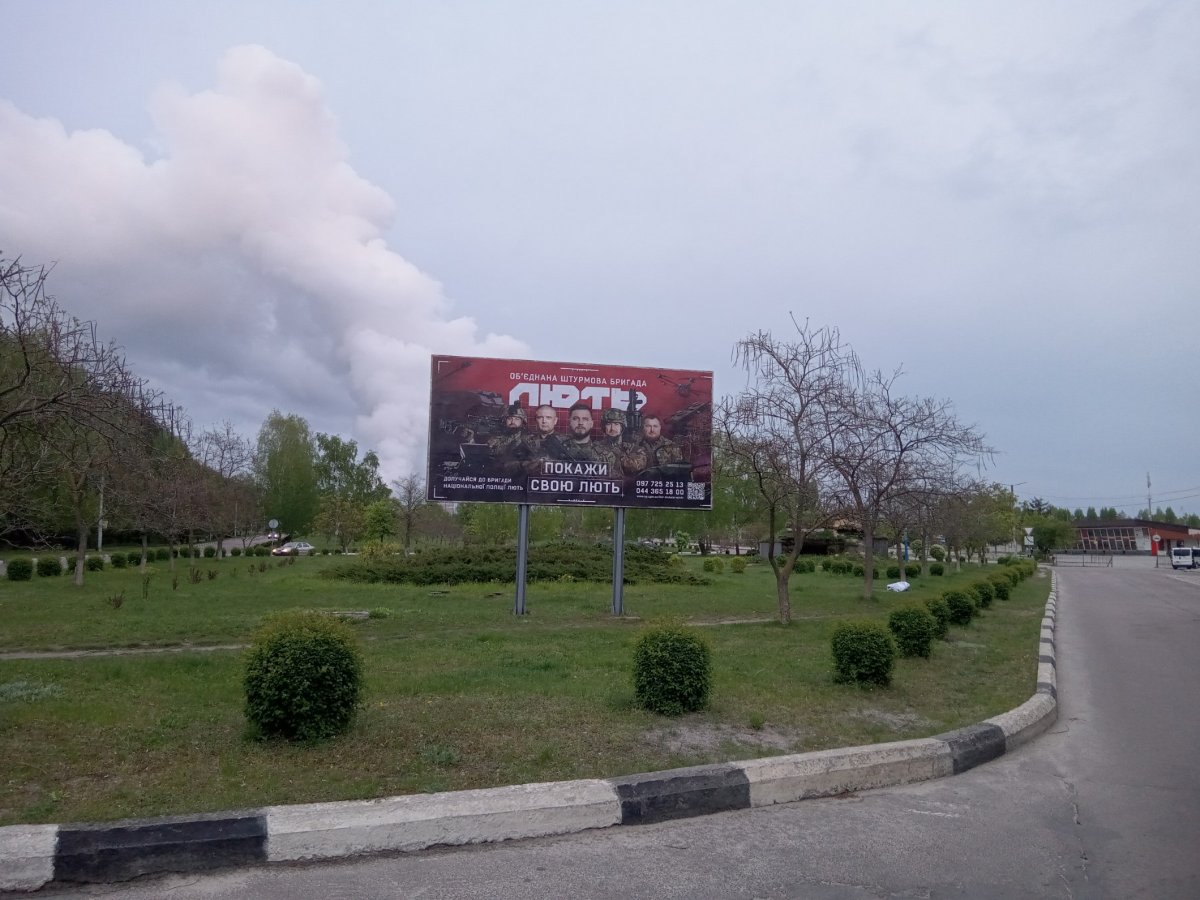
(1105, 805)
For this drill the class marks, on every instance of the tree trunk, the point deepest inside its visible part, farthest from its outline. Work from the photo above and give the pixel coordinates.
(924, 552)
(145, 550)
(868, 560)
(81, 531)
(781, 593)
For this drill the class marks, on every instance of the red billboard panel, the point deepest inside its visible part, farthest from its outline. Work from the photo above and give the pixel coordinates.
(547, 433)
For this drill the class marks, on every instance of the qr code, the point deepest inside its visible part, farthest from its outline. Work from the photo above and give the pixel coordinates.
(695, 490)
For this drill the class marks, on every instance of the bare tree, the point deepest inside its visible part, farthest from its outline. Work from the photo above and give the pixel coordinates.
(409, 497)
(229, 494)
(56, 377)
(776, 431)
(882, 443)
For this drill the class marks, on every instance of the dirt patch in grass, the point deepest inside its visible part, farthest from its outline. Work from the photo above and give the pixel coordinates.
(698, 738)
(897, 722)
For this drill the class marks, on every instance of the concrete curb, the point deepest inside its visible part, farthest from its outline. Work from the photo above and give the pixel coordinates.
(32, 856)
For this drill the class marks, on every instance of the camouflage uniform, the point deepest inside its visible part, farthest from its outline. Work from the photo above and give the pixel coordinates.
(629, 454)
(511, 449)
(662, 452)
(591, 451)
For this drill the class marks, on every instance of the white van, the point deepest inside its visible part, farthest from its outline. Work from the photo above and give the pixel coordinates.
(1184, 558)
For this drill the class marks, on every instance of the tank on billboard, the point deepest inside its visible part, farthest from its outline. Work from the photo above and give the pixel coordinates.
(553, 433)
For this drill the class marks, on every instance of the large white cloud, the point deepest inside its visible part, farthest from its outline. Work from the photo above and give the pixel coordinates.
(242, 262)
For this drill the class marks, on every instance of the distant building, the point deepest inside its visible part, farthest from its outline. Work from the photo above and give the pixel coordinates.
(1131, 535)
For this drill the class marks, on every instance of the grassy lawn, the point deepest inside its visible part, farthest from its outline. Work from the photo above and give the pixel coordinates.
(459, 692)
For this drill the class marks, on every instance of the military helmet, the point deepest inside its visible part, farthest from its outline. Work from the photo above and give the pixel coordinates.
(516, 410)
(612, 415)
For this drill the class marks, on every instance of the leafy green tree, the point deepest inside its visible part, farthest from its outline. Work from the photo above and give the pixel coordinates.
(1091, 515)
(285, 470)
(379, 520)
(341, 520)
(1050, 533)
(1039, 507)
(493, 523)
(339, 471)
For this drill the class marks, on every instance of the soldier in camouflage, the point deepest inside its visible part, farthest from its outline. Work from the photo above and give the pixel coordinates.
(631, 456)
(659, 451)
(513, 448)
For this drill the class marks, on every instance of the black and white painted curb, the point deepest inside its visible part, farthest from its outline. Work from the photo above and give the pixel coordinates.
(31, 856)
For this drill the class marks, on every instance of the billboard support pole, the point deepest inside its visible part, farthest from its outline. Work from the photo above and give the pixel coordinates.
(522, 556)
(618, 605)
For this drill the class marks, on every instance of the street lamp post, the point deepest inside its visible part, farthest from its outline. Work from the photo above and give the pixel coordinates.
(1012, 490)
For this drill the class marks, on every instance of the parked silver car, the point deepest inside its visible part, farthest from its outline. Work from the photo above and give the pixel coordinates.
(295, 548)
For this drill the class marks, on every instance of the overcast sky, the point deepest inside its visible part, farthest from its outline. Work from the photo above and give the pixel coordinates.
(292, 205)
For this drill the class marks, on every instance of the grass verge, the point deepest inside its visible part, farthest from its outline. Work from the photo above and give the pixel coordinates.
(459, 693)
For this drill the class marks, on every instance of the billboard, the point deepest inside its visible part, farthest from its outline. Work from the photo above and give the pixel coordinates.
(583, 434)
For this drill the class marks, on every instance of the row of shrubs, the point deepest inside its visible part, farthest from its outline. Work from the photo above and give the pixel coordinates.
(737, 564)
(836, 565)
(47, 567)
(554, 562)
(865, 651)
(21, 569)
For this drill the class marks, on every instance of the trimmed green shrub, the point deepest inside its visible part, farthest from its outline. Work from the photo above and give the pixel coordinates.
(1001, 586)
(937, 569)
(672, 671)
(210, 552)
(235, 551)
(737, 565)
(303, 677)
(893, 571)
(134, 557)
(713, 564)
(94, 563)
(807, 566)
(118, 560)
(863, 653)
(937, 553)
(962, 608)
(912, 570)
(984, 594)
(913, 628)
(826, 564)
(162, 554)
(19, 569)
(48, 567)
(941, 615)
(859, 570)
